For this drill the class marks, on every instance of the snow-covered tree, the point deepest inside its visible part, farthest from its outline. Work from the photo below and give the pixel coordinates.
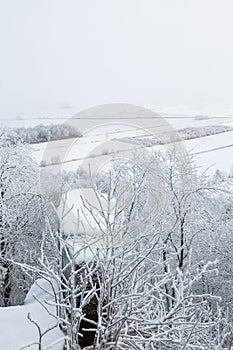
(21, 216)
(133, 282)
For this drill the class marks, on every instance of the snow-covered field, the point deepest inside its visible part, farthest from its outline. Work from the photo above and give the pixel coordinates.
(36, 117)
(215, 151)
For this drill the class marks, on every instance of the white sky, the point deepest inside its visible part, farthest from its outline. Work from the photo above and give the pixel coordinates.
(88, 52)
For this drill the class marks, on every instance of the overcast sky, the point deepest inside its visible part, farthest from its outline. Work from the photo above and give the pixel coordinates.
(86, 52)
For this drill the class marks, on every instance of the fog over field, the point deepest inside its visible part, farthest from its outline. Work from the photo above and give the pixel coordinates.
(57, 54)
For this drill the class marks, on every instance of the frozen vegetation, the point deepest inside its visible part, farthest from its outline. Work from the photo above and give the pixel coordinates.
(139, 257)
(44, 133)
(187, 133)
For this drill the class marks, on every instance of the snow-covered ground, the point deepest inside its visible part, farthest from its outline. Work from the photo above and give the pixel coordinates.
(16, 331)
(49, 116)
(215, 151)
